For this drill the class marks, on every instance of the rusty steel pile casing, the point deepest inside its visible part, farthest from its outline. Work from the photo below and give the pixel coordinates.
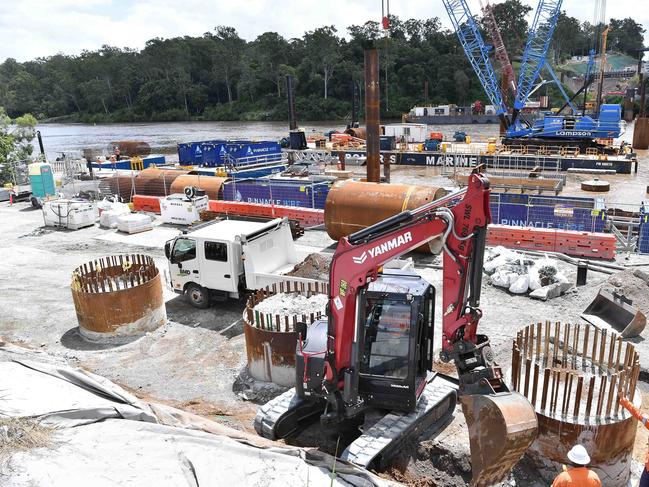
(210, 184)
(271, 339)
(574, 376)
(357, 132)
(149, 182)
(118, 297)
(372, 114)
(354, 205)
(131, 148)
(156, 182)
(122, 186)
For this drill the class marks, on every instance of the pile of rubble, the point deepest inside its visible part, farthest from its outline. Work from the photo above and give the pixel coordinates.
(520, 274)
(314, 266)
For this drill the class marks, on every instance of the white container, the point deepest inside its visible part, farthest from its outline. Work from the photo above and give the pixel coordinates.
(442, 110)
(134, 223)
(180, 210)
(69, 214)
(408, 132)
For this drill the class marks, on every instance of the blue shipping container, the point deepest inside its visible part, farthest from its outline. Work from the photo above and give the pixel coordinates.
(214, 153)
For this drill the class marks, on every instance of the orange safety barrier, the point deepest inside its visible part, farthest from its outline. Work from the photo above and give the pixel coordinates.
(146, 203)
(306, 216)
(579, 244)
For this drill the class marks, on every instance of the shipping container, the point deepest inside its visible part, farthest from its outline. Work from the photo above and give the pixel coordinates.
(407, 132)
(216, 153)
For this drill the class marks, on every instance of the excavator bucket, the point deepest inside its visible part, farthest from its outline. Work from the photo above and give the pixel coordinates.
(501, 428)
(613, 309)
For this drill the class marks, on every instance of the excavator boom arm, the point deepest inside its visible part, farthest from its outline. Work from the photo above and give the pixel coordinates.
(459, 220)
(502, 424)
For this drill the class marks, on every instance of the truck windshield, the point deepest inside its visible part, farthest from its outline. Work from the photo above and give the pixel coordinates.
(184, 249)
(387, 338)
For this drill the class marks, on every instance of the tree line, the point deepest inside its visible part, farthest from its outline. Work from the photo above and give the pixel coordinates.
(220, 76)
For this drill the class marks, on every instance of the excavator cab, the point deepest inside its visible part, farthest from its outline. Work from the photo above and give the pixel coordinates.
(395, 333)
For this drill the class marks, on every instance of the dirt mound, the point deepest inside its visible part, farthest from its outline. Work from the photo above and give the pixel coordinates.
(632, 287)
(314, 266)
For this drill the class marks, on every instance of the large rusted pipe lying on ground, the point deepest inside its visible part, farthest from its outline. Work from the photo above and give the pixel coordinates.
(156, 182)
(130, 148)
(358, 132)
(354, 205)
(210, 184)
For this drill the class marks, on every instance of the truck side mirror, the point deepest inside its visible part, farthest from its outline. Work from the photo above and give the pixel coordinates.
(167, 250)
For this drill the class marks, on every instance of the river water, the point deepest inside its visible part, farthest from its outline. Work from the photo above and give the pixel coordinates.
(163, 137)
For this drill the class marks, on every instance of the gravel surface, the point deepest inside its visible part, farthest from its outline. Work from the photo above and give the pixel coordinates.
(290, 304)
(195, 359)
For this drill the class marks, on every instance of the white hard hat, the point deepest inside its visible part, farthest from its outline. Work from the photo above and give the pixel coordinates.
(579, 455)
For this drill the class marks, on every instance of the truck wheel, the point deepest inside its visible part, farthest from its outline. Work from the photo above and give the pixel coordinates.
(35, 202)
(199, 297)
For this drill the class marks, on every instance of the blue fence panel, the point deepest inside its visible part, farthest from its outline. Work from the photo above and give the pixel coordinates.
(643, 231)
(582, 214)
(297, 193)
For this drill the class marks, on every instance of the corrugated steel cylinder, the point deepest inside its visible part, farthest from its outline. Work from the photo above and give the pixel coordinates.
(118, 297)
(354, 205)
(372, 114)
(132, 148)
(210, 184)
(290, 96)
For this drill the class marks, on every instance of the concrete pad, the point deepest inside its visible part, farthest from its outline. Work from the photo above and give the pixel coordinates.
(152, 238)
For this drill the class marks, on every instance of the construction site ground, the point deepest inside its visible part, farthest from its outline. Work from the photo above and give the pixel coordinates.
(194, 361)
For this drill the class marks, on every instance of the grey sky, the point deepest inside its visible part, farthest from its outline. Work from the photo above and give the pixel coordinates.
(35, 28)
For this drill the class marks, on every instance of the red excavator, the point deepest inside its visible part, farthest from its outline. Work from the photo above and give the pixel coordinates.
(374, 351)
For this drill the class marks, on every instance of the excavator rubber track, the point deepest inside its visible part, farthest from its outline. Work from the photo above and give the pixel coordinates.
(382, 440)
(287, 414)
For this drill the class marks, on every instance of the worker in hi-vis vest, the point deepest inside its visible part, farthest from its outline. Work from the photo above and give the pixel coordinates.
(578, 474)
(644, 480)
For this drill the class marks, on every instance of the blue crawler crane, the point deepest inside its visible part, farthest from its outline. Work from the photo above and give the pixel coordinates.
(563, 130)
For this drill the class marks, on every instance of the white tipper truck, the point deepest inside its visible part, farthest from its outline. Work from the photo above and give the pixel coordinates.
(223, 259)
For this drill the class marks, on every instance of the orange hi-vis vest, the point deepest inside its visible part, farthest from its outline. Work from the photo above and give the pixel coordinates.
(577, 477)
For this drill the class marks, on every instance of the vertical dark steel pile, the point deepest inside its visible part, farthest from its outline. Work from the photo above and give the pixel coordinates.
(372, 114)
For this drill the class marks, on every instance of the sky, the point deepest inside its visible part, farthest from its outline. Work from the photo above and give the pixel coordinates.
(39, 28)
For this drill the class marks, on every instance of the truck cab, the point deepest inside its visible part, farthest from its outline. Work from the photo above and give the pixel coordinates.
(224, 258)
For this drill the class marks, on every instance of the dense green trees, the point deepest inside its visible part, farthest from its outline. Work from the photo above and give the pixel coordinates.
(15, 143)
(221, 76)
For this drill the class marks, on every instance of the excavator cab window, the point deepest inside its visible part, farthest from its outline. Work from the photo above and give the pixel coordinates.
(386, 348)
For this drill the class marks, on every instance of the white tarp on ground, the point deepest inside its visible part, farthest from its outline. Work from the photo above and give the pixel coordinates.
(105, 437)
